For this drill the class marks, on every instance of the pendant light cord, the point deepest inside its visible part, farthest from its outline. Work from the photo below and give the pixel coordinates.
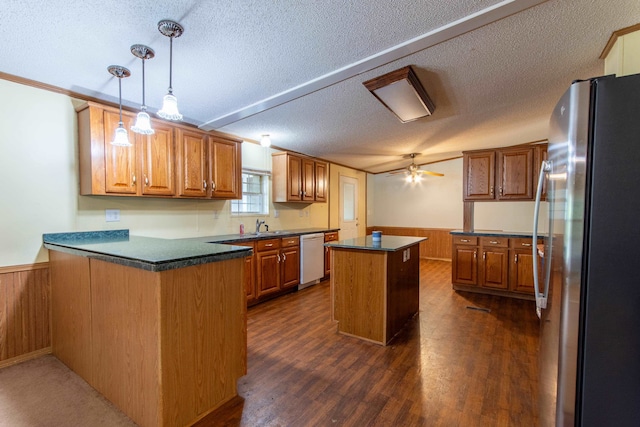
(170, 64)
(120, 96)
(144, 104)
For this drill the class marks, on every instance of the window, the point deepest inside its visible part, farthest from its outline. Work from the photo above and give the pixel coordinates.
(255, 194)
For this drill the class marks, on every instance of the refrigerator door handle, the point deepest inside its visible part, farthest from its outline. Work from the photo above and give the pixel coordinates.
(541, 297)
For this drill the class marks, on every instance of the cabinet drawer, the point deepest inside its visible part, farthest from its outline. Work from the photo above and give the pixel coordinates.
(522, 243)
(330, 237)
(265, 245)
(465, 240)
(290, 241)
(498, 242)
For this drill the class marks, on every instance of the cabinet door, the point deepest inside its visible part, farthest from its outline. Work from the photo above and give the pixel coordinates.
(308, 180)
(267, 272)
(515, 174)
(321, 182)
(464, 268)
(120, 162)
(328, 237)
(521, 274)
(192, 161)
(542, 155)
(479, 175)
(157, 161)
(226, 169)
(294, 178)
(290, 258)
(494, 268)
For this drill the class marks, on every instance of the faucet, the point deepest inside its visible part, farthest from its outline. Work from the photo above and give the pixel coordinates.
(259, 223)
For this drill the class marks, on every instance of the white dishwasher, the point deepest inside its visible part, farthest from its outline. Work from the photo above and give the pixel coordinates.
(311, 259)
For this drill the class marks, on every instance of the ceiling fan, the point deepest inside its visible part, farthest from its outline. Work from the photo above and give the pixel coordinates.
(413, 171)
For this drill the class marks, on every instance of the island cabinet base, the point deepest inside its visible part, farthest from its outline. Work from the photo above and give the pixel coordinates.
(374, 292)
(167, 348)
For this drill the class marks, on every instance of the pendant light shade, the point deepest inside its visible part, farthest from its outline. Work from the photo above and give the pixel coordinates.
(169, 109)
(265, 141)
(143, 121)
(121, 137)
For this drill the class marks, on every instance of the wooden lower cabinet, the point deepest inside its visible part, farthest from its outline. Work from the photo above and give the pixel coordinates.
(495, 265)
(249, 273)
(277, 265)
(328, 237)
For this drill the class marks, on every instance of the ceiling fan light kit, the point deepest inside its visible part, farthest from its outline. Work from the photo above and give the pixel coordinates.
(413, 171)
(402, 93)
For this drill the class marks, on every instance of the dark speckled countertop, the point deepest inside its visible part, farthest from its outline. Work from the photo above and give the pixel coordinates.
(155, 254)
(387, 243)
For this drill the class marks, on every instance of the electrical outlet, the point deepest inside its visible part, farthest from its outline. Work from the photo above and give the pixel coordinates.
(306, 213)
(301, 213)
(276, 213)
(112, 215)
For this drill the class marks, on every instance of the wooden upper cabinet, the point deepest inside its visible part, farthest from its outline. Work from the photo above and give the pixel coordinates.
(225, 160)
(502, 174)
(157, 155)
(119, 162)
(175, 161)
(479, 175)
(321, 181)
(515, 173)
(308, 180)
(298, 179)
(192, 168)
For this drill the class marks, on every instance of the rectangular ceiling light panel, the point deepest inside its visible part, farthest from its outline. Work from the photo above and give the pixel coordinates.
(401, 92)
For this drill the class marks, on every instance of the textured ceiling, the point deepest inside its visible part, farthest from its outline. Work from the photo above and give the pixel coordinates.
(493, 85)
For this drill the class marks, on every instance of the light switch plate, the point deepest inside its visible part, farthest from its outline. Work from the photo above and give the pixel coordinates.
(112, 215)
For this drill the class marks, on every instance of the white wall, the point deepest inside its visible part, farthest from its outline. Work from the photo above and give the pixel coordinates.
(436, 202)
(40, 194)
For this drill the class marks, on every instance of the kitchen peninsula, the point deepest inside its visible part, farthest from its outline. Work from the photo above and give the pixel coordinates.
(157, 326)
(375, 285)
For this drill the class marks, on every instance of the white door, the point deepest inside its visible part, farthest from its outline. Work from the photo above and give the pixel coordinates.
(348, 207)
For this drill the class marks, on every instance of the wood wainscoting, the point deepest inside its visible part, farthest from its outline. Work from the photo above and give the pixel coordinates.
(438, 246)
(25, 325)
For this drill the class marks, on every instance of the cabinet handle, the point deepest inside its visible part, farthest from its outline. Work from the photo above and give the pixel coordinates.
(465, 240)
(146, 181)
(247, 259)
(491, 191)
(494, 242)
(284, 257)
(501, 193)
(278, 255)
(213, 186)
(204, 184)
(526, 244)
(475, 254)
(515, 260)
(134, 180)
(300, 193)
(326, 250)
(291, 241)
(484, 255)
(268, 245)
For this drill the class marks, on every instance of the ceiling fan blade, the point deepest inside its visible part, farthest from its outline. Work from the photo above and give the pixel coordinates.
(431, 173)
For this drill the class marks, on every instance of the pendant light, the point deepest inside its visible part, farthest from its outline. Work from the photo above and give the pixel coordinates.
(265, 141)
(143, 121)
(121, 137)
(169, 109)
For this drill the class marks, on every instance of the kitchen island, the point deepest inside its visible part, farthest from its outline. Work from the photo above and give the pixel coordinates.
(375, 286)
(157, 326)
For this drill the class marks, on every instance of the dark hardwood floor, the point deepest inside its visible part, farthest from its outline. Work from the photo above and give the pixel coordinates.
(450, 366)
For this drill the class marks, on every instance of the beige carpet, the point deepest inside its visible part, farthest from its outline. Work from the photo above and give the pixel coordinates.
(44, 392)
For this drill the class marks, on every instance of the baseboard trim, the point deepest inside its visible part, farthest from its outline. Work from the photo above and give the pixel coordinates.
(25, 357)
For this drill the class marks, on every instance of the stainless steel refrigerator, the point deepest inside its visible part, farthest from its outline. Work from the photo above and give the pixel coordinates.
(588, 293)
